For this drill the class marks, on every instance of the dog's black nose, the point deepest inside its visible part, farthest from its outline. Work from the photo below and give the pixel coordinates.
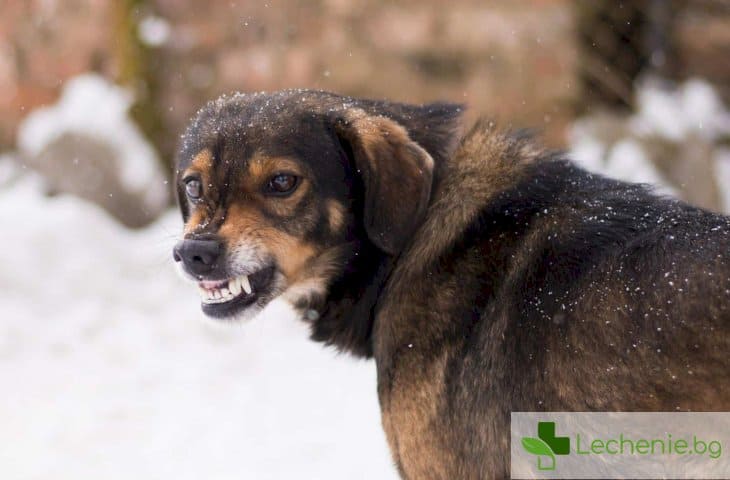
(198, 256)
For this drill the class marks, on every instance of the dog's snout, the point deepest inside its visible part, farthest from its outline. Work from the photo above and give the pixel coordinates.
(200, 257)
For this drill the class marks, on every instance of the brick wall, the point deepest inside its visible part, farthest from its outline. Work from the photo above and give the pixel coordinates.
(509, 59)
(42, 43)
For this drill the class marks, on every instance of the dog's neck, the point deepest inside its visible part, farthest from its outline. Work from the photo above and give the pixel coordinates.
(347, 317)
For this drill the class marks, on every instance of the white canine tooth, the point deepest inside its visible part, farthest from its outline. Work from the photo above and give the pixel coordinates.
(245, 284)
(225, 292)
(235, 286)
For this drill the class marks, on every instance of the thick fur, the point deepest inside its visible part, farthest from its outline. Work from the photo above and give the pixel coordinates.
(520, 283)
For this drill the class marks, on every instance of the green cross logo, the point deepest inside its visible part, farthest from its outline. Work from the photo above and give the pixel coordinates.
(546, 445)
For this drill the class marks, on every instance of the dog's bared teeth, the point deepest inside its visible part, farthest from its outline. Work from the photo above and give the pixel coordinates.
(245, 284)
(235, 286)
(225, 292)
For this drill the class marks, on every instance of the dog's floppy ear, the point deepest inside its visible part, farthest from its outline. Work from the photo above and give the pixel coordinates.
(396, 172)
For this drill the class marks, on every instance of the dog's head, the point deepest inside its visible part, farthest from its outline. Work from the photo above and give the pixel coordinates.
(281, 192)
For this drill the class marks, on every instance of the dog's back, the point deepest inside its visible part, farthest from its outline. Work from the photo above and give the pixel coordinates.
(559, 291)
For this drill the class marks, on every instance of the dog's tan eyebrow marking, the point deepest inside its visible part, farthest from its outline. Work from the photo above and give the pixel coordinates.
(336, 215)
(202, 164)
(261, 166)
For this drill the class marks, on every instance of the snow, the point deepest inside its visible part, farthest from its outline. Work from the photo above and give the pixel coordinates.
(627, 159)
(92, 106)
(109, 370)
(692, 108)
(154, 31)
(9, 168)
(586, 150)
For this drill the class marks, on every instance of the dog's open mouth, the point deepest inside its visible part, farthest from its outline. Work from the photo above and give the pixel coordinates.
(224, 298)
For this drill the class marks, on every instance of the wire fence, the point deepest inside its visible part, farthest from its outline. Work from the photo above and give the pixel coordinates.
(619, 41)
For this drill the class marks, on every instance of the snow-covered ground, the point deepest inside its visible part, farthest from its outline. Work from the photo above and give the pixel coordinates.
(109, 371)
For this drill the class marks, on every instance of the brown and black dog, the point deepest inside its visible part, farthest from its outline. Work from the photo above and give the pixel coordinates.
(484, 274)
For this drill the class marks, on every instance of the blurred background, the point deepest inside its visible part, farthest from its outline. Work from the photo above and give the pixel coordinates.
(105, 366)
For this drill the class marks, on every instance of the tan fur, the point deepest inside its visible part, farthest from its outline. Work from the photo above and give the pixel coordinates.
(203, 161)
(336, 215)
(246, 224)
(201, 164)
(197, 218)
(380, 133)
(482, 174)
(319, 272)
(290, 252)
(412, 410)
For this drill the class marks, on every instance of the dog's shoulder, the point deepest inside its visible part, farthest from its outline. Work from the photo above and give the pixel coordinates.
(487, 168)
(514, 221)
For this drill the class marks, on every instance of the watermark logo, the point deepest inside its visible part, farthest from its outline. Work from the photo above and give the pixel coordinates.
(546, 445)
(620, 445)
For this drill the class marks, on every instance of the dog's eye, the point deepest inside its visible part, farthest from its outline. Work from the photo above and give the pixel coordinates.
(193, 188)
(282, 184)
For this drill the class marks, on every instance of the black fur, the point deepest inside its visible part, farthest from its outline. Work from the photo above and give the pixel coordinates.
(528, 283)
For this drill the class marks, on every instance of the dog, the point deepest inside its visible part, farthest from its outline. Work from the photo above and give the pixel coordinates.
(483, 273)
